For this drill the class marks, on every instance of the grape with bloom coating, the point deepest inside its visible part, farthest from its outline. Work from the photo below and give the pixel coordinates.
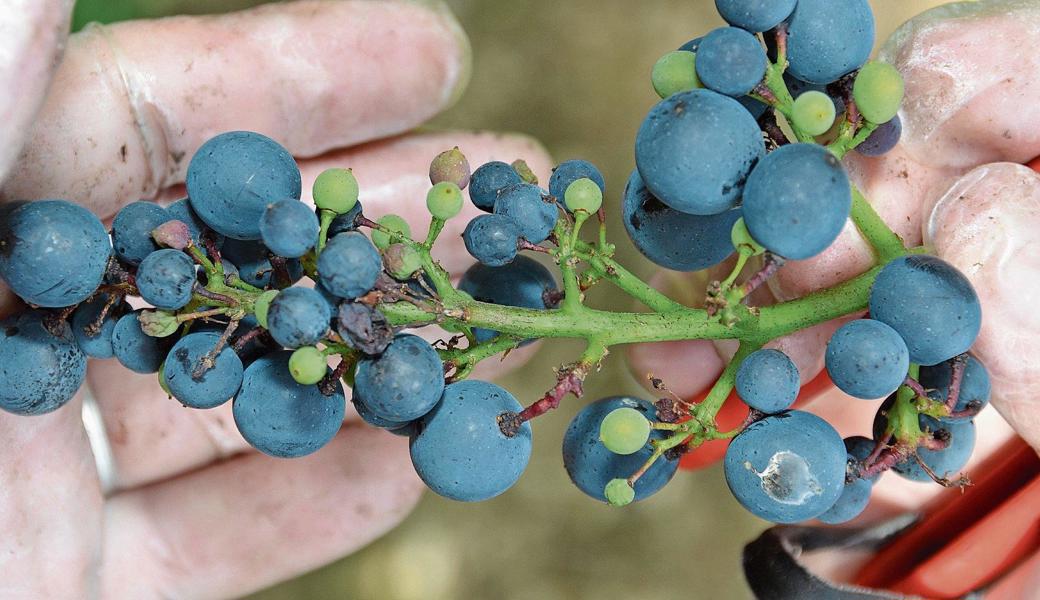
(624, 431)
(730, 61)
(216, 385)
(813, 112)
(878, 91)
(675, 72)
(336, 190)
(403, 383)
(86, 315)
(492, 239)
(975, 384)
(531, 208)
(349, 265)
(132, 230)
(488, 180)
(883, 139)
(570, 171)
(867, 359)
(297, 317)
(289, 228)
(166, 279)
(768, 381)
(827, 39)
(134, 349)
(755, 15)
(39, 371)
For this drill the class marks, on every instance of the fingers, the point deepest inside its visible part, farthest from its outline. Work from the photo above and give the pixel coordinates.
(50, 506)
(122, 119)
(31, 46)
(987, 226)
(969, 84)
(253, 521)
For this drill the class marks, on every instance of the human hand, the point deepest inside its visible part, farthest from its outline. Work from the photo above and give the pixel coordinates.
(966, 109)
(190, 511)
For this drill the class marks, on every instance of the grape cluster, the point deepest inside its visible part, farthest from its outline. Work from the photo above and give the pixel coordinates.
(259, 299)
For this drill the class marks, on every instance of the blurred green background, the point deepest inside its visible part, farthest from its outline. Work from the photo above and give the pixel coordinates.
(575, 74)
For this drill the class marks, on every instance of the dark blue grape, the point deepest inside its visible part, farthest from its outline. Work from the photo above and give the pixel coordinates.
(234, 176)
(459, 450)
(827, 39)
(531, 208)
(86, 315)
(867, 359)
(730, 61)
(850, 504)
(757, 108)
(570, 171)
(672, 239)
(797, 201)
(132, 230)
(297, 317)
(755, 15)
(166, 279)
(591, 465)
(289, 228)
(182, 211)
(883, 139)
(52, 252)
(946, 462)
(39, 371)
(787, 468)
(349, 265)
(406, 429)
(136, 350)
(345, 222)
(488, 180)
(695, 150)
(768, 381)
(930, 303)
(975, 385)
(692, 45)
(859, 449)
(524, 283)
(492, 239)
(280, 417)
(216, 385)
(403, 383)
(253, 263)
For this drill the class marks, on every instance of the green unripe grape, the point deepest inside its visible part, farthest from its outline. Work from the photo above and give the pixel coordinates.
(401, 261)
(624, 431)
(307, 365)
(675, 72)
(336, 190)
(162, 380)
(742, 240)
(878, 91)
(813, 112)
(261, 304)
(393, 223)
(619, 493)
(583, 194)
(444, 200)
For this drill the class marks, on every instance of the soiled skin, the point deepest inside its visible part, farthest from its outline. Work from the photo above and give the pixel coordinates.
(194, 513)
(968, 114)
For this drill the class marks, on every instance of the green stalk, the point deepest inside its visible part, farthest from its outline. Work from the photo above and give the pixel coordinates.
(886, 244)
(706, 410)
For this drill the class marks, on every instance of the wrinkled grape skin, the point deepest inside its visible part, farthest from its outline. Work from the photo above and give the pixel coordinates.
(768, 381)
(523, 283)
(100, 345)
(755, 16)
(797, 201)
(289, 228)
(527, 205)
(216, 385)
(591, 465)
(52, 253)
(695, 150)
(827, 39)
(39, 372)
(136, 350)
(403, 383)
(349, 265)
(166, 279)
(234, 176)
(930, 303)
(298, 317)
(867, 359)
(672, 239)
(492, 239)
(975, 385)
(461, 453)
(132, 230)
(280, 417)
(730, 61)
(793, 439)
(488, 180)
